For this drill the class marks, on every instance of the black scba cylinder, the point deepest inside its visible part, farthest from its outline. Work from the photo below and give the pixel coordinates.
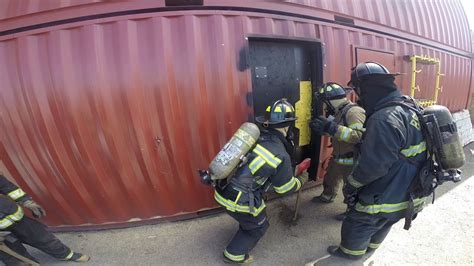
(448, 148)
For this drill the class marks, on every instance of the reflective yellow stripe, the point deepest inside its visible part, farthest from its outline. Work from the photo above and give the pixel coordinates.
(69, 256)
(354, 182)
(234, 257)
(344, 161)
(356, 125)
(16, 194)
(12, 218)
(345, 134)
(238, 197)
(268, 109)
(414, 150)
(4, 223)
(373, 245)
(298, 184)
(260, 181)
(233, 207)
(353, 252)
(269, 158)
(256, 164)
(387, 208)
(286, 187)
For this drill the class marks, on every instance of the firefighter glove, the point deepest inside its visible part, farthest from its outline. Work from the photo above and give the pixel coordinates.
(35, 208)
(323, 125)
(303, 177)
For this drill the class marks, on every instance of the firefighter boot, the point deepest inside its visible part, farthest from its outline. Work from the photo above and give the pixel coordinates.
(337, 252)
(78, 257)
(247, 260)
(323, 199)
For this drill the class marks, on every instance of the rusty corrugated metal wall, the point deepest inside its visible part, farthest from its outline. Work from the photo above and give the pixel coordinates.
(105, 119)
(443, 21)
(16, 8)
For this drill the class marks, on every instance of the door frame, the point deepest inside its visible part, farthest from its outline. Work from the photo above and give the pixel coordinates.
(317, 78)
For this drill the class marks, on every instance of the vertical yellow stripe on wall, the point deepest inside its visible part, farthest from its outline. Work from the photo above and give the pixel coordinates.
(303, 112)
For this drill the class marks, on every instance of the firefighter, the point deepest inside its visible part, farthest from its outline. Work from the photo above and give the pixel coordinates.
(25, 230)
(377, 191)
(268, 164)
(345, 130)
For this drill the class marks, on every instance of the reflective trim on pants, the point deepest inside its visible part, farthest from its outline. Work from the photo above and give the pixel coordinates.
(352, 252)
(388, 207)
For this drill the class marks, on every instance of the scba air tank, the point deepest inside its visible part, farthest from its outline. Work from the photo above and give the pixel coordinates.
(449, 150)
(230, 155)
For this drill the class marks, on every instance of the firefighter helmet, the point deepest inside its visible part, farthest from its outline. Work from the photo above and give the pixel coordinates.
(367, 69)
(280, 114)
(328, 92)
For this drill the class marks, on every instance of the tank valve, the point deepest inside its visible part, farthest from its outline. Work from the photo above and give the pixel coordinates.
(205, 177)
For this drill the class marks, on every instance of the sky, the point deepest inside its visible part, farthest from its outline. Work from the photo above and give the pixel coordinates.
(469, 9)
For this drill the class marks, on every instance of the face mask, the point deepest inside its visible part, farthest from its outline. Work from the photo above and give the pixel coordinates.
(328, 110)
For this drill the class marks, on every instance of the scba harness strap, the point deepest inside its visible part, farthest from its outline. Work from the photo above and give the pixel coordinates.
(424, 183)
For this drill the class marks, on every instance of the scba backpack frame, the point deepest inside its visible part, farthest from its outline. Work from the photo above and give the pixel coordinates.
(445, 154)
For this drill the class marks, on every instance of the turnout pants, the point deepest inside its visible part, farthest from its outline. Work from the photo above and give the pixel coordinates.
(251, 230)
(361, 231)
(31, 232)
(332, 182)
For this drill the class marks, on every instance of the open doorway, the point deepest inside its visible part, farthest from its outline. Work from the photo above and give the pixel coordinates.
(292, 69)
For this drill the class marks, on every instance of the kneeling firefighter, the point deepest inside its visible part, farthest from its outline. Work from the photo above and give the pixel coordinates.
(268, 164)
(25, 230)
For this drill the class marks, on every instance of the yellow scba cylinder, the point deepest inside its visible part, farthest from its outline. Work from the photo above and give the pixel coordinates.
(449, 148)
(230, 155)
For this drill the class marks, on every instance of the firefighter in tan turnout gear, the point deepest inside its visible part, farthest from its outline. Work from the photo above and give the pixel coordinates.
(25, 230)
(345, 130)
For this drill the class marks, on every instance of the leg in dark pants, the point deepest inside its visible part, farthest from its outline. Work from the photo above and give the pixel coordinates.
(251, 230)
(380, 235)
(359, 230)
(16, 246)
(333, 181)
(34, 233)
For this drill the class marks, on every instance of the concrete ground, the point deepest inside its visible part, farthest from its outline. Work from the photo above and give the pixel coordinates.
(441, 235)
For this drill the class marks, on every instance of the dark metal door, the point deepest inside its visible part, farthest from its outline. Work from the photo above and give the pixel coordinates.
(288, 69)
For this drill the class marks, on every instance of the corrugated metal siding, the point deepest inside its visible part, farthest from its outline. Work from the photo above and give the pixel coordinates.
(107, 121)
(15, 8)
(440, 20)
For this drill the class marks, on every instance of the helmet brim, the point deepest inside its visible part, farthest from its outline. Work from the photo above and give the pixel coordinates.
(262, 119)
(351, 82)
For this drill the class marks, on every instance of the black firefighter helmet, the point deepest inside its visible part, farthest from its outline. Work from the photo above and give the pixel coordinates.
(278, 115)
(366, 70)
(330, 91)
